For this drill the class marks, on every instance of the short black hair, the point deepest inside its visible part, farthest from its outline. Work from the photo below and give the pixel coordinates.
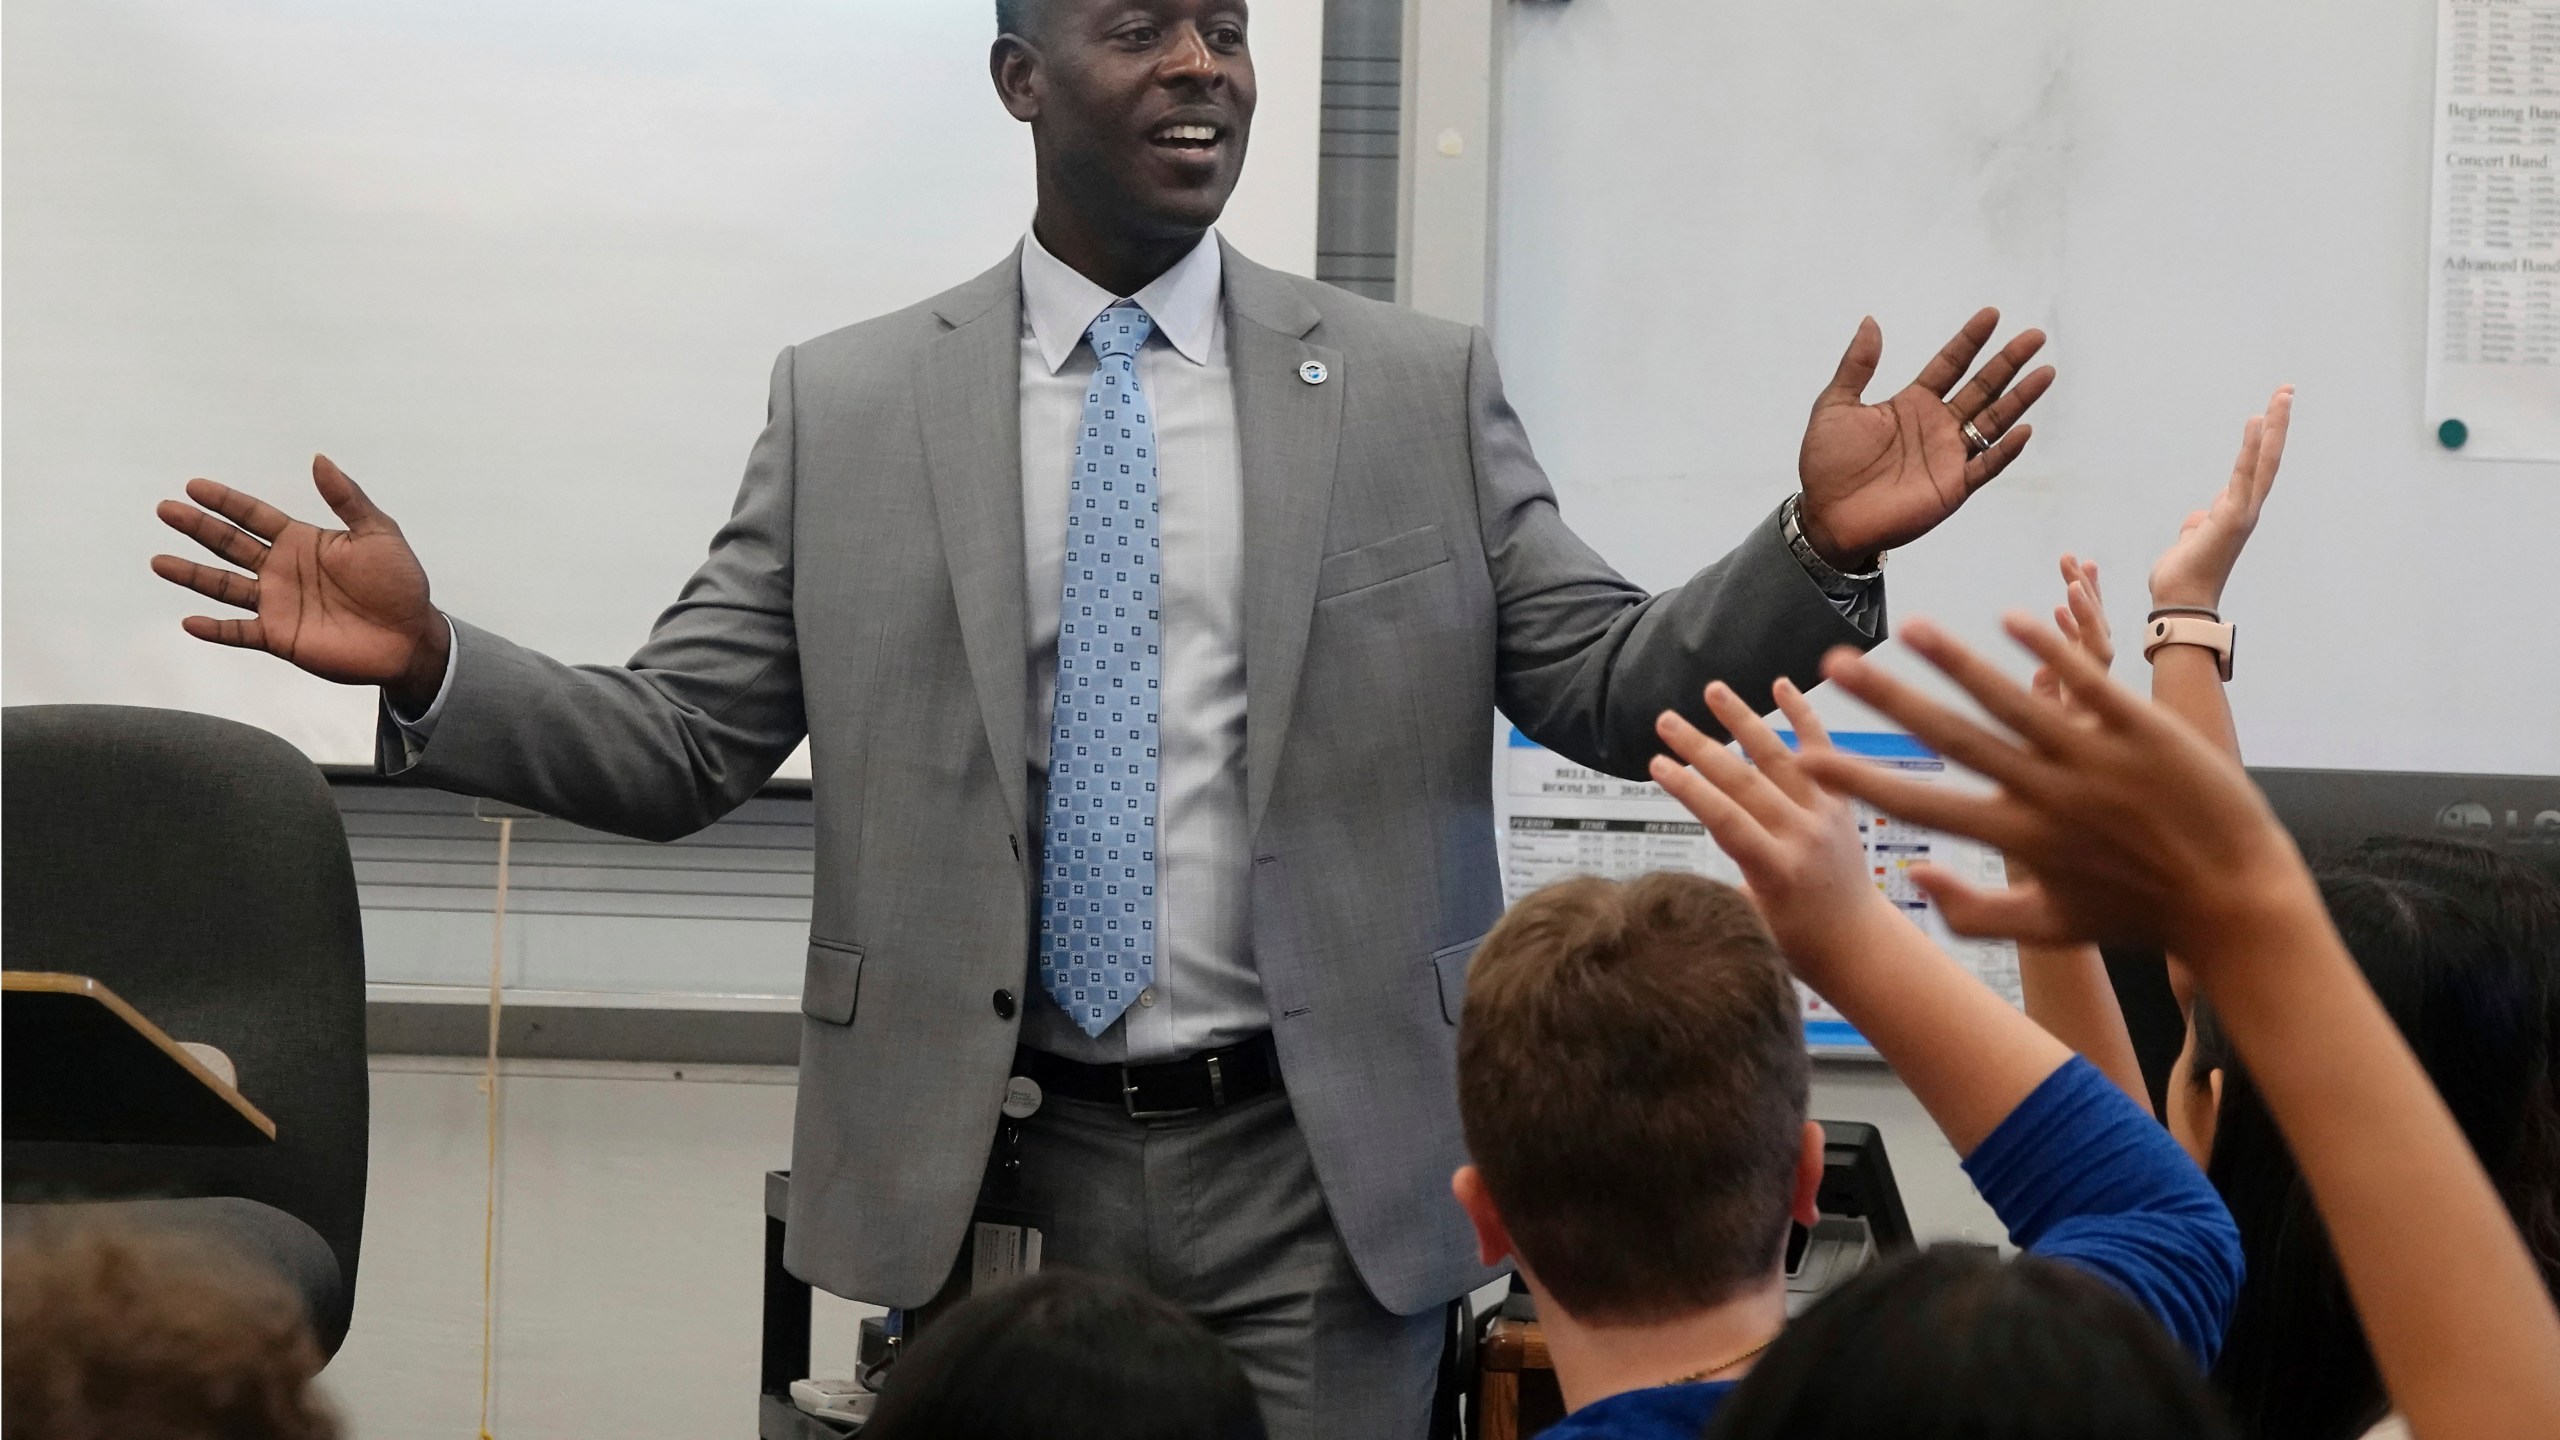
(1066, 1355)
(1955, 1344)
(1015, 17)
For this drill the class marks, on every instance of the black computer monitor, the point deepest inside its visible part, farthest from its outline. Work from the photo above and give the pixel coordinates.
(1857, 1182)
(2330, 812)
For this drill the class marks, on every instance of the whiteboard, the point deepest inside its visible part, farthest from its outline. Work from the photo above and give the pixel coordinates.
(2199, 201)
(522, 268)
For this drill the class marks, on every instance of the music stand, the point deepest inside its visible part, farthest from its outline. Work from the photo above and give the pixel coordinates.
(83, 1065)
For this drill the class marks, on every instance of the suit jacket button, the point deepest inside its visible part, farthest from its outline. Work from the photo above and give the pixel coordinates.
(1004, 1004)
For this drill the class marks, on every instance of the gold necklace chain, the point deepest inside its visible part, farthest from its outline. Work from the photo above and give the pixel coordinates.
(1713, 1370)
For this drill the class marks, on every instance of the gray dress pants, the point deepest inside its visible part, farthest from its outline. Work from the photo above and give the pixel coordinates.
(1219, 1211)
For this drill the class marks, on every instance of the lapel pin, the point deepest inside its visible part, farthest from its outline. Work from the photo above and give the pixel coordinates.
(1313, 372)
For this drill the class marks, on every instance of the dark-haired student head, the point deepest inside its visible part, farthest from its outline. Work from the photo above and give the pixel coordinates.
(1065, 1355)
(1954, 1344)
(2462, 945)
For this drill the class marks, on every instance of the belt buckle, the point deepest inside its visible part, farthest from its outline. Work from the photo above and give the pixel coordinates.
(1129, 1095)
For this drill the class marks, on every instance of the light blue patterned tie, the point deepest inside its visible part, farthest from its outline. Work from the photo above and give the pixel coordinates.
(1098, 882)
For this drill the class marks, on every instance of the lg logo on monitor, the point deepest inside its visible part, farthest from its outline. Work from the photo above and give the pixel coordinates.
(2474, 820)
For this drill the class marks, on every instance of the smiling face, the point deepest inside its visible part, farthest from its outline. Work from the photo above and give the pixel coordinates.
(1139, 109)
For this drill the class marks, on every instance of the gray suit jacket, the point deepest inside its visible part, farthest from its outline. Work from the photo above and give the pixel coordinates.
(1406, 573)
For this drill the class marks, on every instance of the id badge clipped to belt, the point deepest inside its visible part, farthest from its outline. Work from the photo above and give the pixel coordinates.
(1004, 1232)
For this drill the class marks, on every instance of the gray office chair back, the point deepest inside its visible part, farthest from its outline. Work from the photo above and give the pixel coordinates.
(199, 868)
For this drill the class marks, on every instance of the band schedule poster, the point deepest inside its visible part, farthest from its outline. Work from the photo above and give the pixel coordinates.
(2493, 259)
(1558, 819)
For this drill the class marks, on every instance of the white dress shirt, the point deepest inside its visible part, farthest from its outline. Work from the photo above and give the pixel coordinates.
(1206, 992)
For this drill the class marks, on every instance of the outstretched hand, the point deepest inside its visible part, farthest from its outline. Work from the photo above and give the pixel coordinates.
(2082, 619)
(1880, 476)
(2193, 570)
(346, 605)
(1796, 842)
(2134, 826)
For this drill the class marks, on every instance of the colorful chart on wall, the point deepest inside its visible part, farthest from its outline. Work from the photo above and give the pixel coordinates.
(1558, 819)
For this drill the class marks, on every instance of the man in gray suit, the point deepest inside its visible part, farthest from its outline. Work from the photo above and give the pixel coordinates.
(1145, 610)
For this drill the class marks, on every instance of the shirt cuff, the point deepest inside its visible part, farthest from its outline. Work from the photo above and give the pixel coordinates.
(1861, 606)
(415, 733)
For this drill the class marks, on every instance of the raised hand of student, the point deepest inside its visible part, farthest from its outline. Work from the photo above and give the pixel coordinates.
(2192, 571)
(2086, 1178)
(2066, 987)
(1962, 1050)
(2082, 619)
(346, 605)
(2134, 827)
(2137, 826)
(2190, 575)
(1796, 842)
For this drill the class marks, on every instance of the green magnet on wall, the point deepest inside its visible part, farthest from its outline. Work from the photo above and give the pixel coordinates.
(2452, 433)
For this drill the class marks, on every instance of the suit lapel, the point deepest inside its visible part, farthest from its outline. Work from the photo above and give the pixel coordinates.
(1288, 433)
(969, 391)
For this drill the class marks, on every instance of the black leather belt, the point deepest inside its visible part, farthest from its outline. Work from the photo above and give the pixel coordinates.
(1232, 1075)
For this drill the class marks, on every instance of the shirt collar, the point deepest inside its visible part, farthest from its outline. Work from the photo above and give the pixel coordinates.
(1058, 303)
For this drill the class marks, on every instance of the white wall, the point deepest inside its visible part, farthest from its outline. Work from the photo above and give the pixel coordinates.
(521, 267)
(631, 1234)
(630, 1255)
(2198, 200)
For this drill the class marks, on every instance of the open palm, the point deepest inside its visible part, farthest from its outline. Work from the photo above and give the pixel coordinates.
(346, 605)
(2195, 567)
(1880, 476)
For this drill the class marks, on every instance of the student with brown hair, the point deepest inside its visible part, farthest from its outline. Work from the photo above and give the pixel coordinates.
(115, 1334)
(1632, 1079)
(1606, 991)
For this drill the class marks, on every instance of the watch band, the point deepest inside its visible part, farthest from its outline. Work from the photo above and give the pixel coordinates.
(2183, 629)
(1824, 573)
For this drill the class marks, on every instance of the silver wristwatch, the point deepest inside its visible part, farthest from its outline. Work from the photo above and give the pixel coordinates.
(1831, 578)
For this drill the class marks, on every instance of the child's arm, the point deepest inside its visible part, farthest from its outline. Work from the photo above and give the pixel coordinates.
(1967, 1056)
(2065, 987)
(2068, 992)
(2191, 573)
(2069, 1165)
(2139, 828)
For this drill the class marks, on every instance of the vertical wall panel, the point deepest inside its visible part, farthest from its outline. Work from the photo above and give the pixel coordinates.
(1356, 195)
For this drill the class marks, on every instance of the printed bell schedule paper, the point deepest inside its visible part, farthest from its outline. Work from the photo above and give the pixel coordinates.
(1558, 819)
(2493, 290)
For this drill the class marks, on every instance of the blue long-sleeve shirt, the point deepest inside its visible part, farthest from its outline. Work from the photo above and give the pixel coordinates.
(2078, 1174)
